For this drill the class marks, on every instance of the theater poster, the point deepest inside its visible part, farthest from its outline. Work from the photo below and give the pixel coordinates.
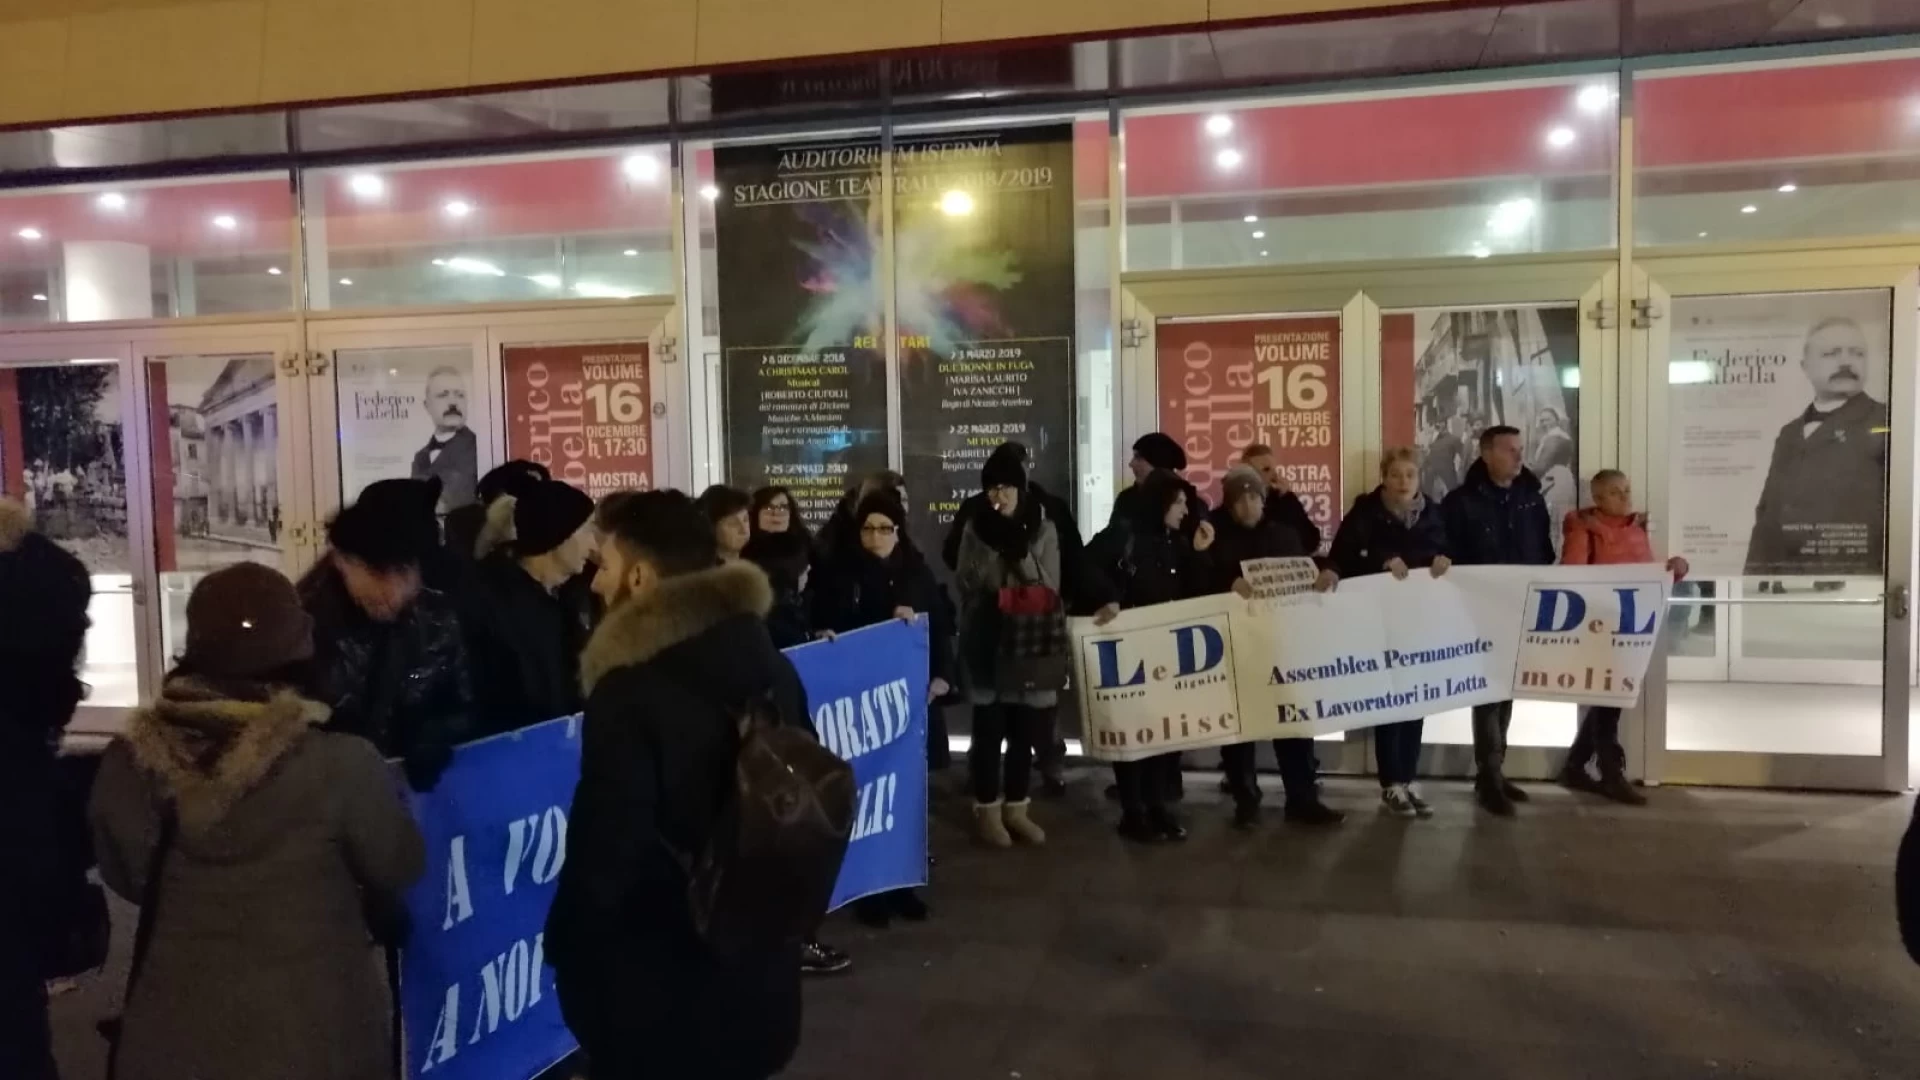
(1447, 375)
(1226, 384)
(583, 411)
(411, 414)
(1777, 432)
(983, 248)
(798, 235)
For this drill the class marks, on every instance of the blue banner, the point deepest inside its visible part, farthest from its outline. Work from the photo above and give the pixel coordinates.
(868, 693)
(475, 988)
(476, 994)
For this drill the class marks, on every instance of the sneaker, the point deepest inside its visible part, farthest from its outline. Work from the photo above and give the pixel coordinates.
(1313, 813)
(1493, 797)
(1395, 800)
(1167, 825)
(1513, 791)
(1420, 806)
(818, 958)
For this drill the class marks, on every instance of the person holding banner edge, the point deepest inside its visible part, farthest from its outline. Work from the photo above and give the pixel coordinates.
(1243, 530)
(1394, 530)
(1497, 516)
(1607, 533)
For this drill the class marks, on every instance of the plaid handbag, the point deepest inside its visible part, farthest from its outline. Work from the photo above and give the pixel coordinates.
(1032, 655)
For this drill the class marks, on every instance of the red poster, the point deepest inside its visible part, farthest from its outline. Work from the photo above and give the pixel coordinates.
(1229, 384)
(166, 540)
(583, 411)
(13, 464)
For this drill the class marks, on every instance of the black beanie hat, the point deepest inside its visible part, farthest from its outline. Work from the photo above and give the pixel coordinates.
(880, 502)
(515, 478)
(1006, 467)
(391, 524)
(546, 514)
(1161, 489)
(1159, 450)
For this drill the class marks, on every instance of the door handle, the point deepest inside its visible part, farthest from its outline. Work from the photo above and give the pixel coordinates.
(1897, 602)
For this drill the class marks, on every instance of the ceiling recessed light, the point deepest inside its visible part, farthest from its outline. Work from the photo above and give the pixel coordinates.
(548, 281)
(1561, 137)
(226, 222)
(274, 270)
(631, 252)
(111, 200)
(40, 296)
(29, 233)
(346, 281)
(709, 192)
(1259, 234)
(1263, 254)
(1703, 234)
(1480, 251)
(1228, 158)
(366, 185)
(1789, 188)
(1251, 218)
(1594, 99)
(1219, 124)
(457, 208)
(641, 168)
(956, 203)
(1749, 209)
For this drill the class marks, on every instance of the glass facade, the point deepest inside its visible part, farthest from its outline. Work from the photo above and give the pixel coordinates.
(808, 306)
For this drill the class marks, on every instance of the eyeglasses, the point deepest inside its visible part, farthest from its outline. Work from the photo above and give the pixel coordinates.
(879, 530)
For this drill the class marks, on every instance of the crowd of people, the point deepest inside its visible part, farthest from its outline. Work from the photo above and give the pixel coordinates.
(249, 811)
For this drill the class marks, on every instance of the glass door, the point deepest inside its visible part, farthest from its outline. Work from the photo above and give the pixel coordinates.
(1780, 401)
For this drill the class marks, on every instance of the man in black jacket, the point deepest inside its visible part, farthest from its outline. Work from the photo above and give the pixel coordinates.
(1497, 517)
(1157, 451)
(679, 655)
(525, 628)
(1283, 507)
(389, 659)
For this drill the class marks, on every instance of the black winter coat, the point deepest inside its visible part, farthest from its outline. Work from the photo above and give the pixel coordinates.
(524, 644)
(1144, 565)
(856, 589)
(785, 557)
(1234, 543)
(1906, 887)
(403, 686)
(1489, 525)
(666, 678)
(1370, 535)
(1081, 594)
(1130, 505)
(1287, 511)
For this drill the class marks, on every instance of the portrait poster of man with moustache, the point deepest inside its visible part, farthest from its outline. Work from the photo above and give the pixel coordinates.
(412, 413)
(452, 453)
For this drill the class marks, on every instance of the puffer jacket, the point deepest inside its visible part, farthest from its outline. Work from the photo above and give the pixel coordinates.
(1490, 525)
(402, 686)
(1370, 535)
(1597, 539)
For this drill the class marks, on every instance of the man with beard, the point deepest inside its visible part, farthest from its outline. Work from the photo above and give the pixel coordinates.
(1822, 508)
(453, 453)
(682, 652)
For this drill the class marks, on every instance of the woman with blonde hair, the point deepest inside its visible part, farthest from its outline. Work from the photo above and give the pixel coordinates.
(1393, 529)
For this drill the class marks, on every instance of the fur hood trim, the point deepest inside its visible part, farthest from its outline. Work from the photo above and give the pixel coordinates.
(210, 750)
(15, 524)
(682, 607)
(498, 530)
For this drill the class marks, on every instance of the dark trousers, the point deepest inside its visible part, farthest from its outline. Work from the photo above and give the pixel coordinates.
(1296, 770)
(1021, 728)
(1396, 751)
(1146, 785)
(1599, 737)
(1490, 723)
(26, 1044)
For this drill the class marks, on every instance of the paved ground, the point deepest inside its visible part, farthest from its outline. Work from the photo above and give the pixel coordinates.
(1711, 934)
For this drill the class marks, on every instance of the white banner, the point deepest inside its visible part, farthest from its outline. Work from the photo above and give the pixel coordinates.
(1222, 669)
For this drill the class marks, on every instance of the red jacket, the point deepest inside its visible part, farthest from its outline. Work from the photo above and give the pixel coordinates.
(1597, 539)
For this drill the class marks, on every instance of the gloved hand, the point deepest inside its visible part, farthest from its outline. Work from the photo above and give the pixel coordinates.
(424, 766)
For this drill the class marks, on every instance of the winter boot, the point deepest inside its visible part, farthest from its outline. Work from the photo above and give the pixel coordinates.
(1614, 783)
(990, 825)
(1490, 790)
(1020, 826)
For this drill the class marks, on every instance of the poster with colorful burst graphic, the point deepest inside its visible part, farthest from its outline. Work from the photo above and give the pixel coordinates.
(983, 249)
(798, 235)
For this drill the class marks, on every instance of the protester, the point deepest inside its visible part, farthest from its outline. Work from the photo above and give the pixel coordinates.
(1242, 531)
(45, 591)
(1149, 559)
(781, 546)
(389, 656)
(726, 509)
(1013, 549)
(1497, 516)
(1158, 451)
(1608, 533)
(1394, 530)
(679, 657)
(525, 628)
(886, 578)
(841, 530)
(1283, 507)
(254, 845)
(465, 524)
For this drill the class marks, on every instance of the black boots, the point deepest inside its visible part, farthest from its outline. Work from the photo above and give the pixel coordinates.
(1491, 789)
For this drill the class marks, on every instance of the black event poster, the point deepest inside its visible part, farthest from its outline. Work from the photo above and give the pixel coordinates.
(983, 265)
(798, 237)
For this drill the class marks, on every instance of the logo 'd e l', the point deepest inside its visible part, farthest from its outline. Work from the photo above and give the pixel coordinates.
(1197, 648)
(1562, 610)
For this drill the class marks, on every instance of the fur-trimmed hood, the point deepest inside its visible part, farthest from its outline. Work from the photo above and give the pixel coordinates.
(682, 608)
(15, 524)
(209, 749)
